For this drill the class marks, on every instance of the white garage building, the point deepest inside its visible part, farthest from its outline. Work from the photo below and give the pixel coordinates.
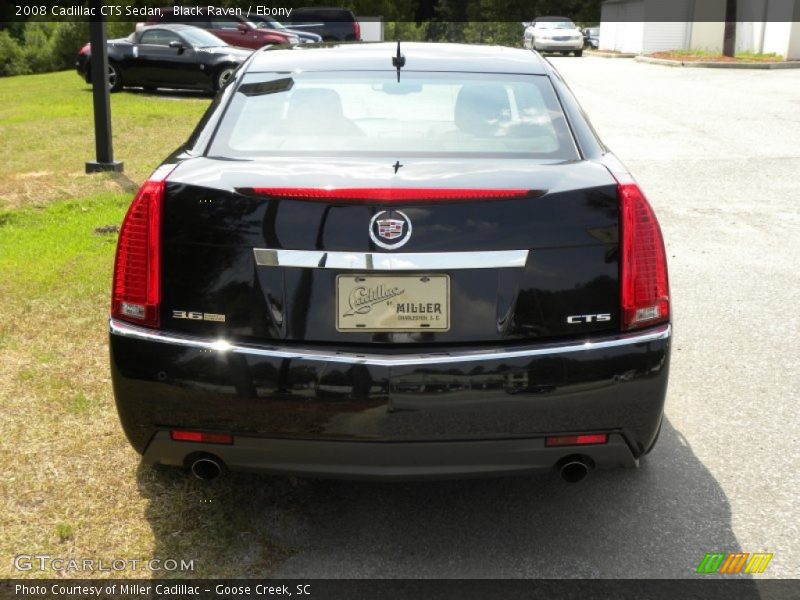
(644, 26)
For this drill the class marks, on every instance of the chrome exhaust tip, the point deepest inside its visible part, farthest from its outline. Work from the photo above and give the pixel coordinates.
(574, 470)
(206, 468)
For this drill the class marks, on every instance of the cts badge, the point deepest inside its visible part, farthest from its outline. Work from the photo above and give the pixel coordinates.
(390, 229)
(598, 318)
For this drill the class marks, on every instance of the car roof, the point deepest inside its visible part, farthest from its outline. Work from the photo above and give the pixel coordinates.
(169, 26)
(377, 56)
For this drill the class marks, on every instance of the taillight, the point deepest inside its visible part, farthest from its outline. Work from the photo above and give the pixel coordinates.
(392, 194)
(136, 293)
(645, 287)
(357, 30)
(84, 49)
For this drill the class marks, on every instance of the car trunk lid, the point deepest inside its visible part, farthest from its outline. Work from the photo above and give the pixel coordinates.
(541, 263)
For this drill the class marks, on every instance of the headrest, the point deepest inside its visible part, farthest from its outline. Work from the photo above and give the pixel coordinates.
(319, 103)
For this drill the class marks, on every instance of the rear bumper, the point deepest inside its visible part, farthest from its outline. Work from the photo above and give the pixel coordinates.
(386, 460)
(323, 412)
(556, 46)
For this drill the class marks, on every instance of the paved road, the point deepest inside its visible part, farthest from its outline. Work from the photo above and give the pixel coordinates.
(718, 153)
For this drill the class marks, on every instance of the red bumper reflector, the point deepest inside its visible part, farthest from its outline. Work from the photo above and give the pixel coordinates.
(201, 436)
(390, 194)
(586, 439)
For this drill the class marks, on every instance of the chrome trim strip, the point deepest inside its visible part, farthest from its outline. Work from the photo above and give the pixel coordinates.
(396, 261)
(151, 335)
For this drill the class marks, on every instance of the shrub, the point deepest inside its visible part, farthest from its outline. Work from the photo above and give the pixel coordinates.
(12, 61)
(38, 46)
(42, 46)
(68, 38)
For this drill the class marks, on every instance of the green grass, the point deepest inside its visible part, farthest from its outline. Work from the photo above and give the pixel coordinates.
(46, 136)
(759, 55)
(60, 241)
(707, 54)
(71, 485)
(64, 532)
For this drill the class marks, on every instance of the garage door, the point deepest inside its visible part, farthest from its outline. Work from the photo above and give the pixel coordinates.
(673, 35)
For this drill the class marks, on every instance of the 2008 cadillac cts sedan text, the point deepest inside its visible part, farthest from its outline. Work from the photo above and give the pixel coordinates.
(378, 265)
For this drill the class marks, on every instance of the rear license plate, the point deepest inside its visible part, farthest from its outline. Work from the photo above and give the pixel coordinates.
(392, 303)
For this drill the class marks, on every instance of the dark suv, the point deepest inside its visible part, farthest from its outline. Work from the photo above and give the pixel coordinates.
(333, 24)
(237, 31)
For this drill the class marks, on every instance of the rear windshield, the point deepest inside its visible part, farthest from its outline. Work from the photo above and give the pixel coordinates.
(425, 114)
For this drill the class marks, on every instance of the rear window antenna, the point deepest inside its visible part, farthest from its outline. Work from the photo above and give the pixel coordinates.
(398, 61)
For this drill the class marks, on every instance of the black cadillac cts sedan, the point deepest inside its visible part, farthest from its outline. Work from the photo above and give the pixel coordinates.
(378, 263)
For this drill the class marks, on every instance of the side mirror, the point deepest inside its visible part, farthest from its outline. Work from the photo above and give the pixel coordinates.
(243, 28)
(178, 45)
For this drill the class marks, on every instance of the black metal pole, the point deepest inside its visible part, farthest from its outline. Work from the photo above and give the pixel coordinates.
(100, 94)
(729, 37)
